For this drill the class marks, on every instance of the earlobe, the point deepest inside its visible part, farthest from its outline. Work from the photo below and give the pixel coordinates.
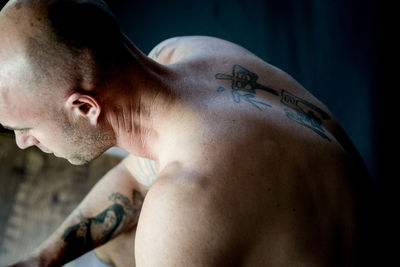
(81, 105)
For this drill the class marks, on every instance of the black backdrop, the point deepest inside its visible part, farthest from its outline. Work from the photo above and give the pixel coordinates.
(337, 49)
(330, 47)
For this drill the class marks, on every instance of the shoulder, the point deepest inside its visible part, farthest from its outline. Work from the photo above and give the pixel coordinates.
(163, 51)
(175, 49)
(180, 226)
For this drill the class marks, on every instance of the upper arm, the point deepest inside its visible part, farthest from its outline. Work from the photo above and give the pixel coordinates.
(179, 228)
(119, 180)
(117, 192)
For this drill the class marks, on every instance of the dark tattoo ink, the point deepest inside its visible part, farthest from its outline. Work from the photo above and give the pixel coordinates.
(80, 237)
(244, 86)
(305, 113)
(93, 231)
(137, 201)
(158, 51)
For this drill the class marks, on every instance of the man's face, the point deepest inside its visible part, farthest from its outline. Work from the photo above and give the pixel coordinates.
(36, 108)
(41, 120)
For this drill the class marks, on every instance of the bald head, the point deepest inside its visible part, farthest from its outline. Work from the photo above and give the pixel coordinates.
(61, 39)
(54, 57)
(77, 22)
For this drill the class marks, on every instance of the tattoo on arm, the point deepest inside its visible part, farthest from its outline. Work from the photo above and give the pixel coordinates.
(91, 232)
(244, 87)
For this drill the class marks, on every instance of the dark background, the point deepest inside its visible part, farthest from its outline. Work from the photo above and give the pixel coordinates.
(333, 48)
(338, 49)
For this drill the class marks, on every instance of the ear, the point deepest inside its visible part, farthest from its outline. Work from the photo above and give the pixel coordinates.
(80, 105)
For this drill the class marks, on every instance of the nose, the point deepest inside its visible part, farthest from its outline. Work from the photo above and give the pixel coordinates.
(25, 140)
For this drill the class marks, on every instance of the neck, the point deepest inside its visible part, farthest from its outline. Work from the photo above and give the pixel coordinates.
(142, 108)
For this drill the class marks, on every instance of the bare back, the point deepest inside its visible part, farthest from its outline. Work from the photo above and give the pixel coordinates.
(282, 174)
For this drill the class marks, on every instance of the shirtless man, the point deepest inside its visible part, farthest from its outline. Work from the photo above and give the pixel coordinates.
(233, 163)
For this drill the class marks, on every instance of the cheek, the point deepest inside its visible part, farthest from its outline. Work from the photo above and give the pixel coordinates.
(26, 110)
(49, 135)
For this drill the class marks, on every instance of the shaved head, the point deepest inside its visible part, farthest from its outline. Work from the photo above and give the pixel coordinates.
(56, 57)
(66, 41)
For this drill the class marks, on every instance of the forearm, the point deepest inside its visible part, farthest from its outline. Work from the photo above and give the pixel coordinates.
(112, 207)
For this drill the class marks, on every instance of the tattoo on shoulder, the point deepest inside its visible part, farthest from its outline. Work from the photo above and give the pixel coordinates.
(244, 86)
(304, 113)
(93, 231)
(156, 52)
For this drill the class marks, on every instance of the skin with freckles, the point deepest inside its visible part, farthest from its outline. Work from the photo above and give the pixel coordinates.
(233, 163)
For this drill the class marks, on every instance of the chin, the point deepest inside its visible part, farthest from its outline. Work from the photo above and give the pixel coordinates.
(78, 162)
(82, 159)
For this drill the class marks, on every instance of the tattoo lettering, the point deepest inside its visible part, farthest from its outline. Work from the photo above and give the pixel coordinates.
(244, 86)
(93, 231)
(305, 113)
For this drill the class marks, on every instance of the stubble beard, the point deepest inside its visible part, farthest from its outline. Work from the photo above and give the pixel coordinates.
(85, 143)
